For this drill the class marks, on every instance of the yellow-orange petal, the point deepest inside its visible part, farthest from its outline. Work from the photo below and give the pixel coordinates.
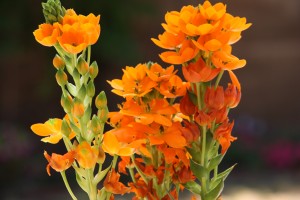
(110, 144)
(234, 80)
(53, 139)
(41, 129)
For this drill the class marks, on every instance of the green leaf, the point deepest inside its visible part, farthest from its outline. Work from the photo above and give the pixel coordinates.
(99, 176)
(195, 152)
(215, 192)
(193, 187)
(72, 89)
(215, 161)
(75, 128)
(198, 170)
(81, 182)
(223, 175)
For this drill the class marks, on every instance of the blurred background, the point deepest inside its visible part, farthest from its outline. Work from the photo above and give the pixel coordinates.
(267, 121)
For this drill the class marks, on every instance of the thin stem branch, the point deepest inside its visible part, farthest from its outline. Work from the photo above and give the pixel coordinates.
(63, 174)
(219, 78)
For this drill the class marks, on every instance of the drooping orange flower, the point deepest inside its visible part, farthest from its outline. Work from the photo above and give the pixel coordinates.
(187, 107)
(214, 98)
(187, 52)
(113, 185)
(199, 72)
(59, 162)
(223, 135)
(50, 130)
(47, 34)
(232, 96)
(202, 118)
(86, 155)
(190, 131)
(135, 82)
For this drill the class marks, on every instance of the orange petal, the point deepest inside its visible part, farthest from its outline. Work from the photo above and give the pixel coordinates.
(234, 80)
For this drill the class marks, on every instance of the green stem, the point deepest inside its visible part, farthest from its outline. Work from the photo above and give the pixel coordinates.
(92, 188)
(198, 90)
(139, 170)
(203, 146)
(131, 172)
(63, 174)
(219, 78)
(89, 55)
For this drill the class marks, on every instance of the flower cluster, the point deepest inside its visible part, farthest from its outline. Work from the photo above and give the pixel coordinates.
(170, 134)
(148, 125)
(73, 32)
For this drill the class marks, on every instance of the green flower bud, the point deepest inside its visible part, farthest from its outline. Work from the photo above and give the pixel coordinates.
(82, 66)
(90, 90)
(82, 93)
(61, 77)
(96, 125)
(58, 62)
(76, 74)
(78, 108)
(93, 70)
(53, 11)
(103, 114)
(66, 103)
(101, 100)
(65, 128)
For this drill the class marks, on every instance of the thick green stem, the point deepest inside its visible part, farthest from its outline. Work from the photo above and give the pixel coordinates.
(139, 170)
(89, 55)
(198, 90)
(63, 174)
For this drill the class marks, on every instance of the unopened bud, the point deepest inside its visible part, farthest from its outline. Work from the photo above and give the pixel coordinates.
(82, 66)
(101, 155)
(90, 90)
(93, 70)
(58, 62)
(103, 114)
(101, 100)
(78, 108)
(76, 74)
(65, 128)
(66, 103)
(96, 125)
(61, 77)
(81, 93)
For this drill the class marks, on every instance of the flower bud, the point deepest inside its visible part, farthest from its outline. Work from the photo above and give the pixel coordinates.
(82, 66)
(65, 128)
(61, 77)
(90, 90)
(53, 11)
(93, 70)
(101, 100)
(78, 108)
(82, 93)
(103, 114)
(66, 103)
(96, 125)
(58, 62)
(101, 155)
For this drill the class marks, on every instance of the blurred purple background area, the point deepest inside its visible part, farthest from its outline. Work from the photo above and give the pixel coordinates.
(267, 121)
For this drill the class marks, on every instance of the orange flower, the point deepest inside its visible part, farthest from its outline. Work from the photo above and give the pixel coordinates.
(47, 34)
(212, 12)
(173, 88)
(190, 131)
(59, 162)
(169, 40)
(214, 98)
(202, 118)
(186, 53)
(199, 72)
(50, 130)
(234, 24)
(219, 116)
(134, 82)
(159, 74)
(223, 135)
(112, 146)
(112, 184)
(86, 155)
(73, 40)
(225, 60)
